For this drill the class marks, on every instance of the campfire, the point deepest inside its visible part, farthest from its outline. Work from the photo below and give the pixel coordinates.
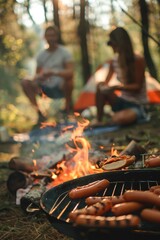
(79, 165)
(74, 166)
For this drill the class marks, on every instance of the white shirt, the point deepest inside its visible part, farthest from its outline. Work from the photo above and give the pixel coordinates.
(55, 60)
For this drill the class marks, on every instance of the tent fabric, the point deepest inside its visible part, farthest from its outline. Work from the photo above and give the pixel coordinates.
(87, 96)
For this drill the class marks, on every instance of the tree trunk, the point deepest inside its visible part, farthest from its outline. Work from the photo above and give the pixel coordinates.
(82, 32)
(56, 18)
(45, 10)
(145, 29)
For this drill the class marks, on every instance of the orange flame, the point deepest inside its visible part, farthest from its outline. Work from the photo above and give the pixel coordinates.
(114, 152)
(35, 167)
(79, 165)
(47, 124)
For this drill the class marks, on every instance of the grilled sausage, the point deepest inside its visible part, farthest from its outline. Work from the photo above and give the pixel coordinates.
(94, 199)
(126, 208)
(89, 189)
(98, 208)
(151, 215)
(142, 197)
(154, 188)
(157, 191)
(101, 221)
(153, 162)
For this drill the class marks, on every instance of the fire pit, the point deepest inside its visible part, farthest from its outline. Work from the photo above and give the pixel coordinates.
(57, 205)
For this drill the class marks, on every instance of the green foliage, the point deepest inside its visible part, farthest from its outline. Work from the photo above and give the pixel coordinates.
(12, 116)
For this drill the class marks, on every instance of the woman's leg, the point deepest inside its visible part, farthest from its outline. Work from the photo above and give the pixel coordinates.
(102, 99)
(124, 117)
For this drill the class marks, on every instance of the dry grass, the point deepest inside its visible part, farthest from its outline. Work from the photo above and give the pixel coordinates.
(15, 224)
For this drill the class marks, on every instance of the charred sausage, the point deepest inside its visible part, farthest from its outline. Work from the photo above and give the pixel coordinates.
(94, 199)
(98, 208)
(101, 221)
(89, 189)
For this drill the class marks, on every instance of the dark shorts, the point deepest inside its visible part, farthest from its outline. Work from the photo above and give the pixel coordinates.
(121, 104)
(54, 92)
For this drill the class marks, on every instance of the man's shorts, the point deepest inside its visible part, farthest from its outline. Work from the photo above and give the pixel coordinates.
(121, 104)
(52, 92)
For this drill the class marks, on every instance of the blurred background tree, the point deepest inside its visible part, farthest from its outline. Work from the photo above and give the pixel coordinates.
(84, 27)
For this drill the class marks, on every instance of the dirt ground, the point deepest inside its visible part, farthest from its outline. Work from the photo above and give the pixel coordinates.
(15, 224)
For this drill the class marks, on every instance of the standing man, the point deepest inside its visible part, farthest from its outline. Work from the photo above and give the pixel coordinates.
(54, 74)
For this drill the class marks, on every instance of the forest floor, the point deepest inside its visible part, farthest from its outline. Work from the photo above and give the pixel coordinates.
(15, 224)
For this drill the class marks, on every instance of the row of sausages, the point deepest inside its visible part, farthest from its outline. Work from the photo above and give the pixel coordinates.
(115, 211)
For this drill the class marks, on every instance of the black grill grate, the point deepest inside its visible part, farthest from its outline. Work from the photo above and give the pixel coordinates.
(57, 204)
(63, 204)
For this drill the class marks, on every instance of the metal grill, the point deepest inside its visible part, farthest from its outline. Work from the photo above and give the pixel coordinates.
(57, 204)
(63, 204)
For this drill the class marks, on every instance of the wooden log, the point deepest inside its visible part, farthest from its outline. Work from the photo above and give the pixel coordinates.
(133, 149)
(21, 164)
(30, 202)
(18, 179)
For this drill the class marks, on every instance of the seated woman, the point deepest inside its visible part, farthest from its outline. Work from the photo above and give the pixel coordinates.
(130, 69)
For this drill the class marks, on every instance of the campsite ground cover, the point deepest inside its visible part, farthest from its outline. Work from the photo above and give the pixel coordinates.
(16, 224)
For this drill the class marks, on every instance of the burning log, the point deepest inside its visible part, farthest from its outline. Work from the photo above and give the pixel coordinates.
(36, 179)
(133, 149)
(30, 201)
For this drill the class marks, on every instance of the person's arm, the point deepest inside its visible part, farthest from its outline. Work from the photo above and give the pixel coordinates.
(39, 76)
(139, 76)
(110, 73)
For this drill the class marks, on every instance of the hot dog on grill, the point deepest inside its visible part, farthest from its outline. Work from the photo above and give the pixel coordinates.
(142, 197)
(101, 221)
(154, 187)
(153, 162)
(94, 199)
(89, 189)
(126, 208)
(98, 208)
(151, 215)
(157, 191)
